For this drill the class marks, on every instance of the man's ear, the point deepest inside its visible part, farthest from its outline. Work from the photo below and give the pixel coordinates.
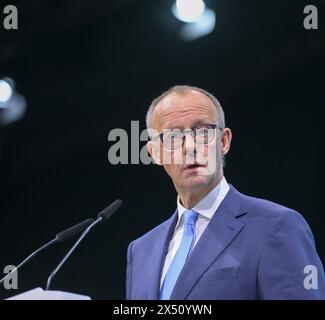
(154, 151)
(226, 141)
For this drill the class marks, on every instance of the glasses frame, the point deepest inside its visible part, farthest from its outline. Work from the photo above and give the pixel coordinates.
(191, 131)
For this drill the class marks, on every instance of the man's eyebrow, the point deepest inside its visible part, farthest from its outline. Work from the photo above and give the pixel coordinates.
(195, 124)
(200, 122)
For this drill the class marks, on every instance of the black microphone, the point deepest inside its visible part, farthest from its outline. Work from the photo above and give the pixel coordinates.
(104, 215)
(59, 238)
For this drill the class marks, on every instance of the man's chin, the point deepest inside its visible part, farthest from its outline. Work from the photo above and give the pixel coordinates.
(196, 180)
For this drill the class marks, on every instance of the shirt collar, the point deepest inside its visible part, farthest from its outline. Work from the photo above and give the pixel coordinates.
(209, 204)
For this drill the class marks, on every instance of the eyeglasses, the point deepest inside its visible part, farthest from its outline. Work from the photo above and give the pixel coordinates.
(174, 138)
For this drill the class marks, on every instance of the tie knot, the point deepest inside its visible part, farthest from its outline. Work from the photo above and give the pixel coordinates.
(190, 217)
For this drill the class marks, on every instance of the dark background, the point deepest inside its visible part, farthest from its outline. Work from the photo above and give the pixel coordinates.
(86, 67)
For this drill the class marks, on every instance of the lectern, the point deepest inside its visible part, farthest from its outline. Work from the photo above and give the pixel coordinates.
(40, 294)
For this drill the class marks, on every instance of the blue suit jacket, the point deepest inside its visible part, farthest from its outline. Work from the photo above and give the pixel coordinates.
(251, 249)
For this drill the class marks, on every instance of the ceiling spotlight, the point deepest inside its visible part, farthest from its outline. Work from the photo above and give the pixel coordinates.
(200, 28)
(198, 19)
(5, 91)
(12, 104)
(188, 10)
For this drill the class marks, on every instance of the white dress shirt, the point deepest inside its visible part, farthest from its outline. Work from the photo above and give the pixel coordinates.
(205, 209)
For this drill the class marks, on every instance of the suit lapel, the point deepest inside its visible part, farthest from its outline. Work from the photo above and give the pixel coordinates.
(220, 232)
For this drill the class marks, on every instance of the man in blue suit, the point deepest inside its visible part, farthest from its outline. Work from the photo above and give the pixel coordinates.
(219, 243)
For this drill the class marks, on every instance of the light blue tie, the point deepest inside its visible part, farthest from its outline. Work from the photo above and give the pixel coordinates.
(189, 218)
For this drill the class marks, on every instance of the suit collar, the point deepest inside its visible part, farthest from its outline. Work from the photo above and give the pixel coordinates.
(207, 206)
(234, 203)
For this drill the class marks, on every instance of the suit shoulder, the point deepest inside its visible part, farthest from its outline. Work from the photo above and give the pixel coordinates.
(259, 207)
(272, 217)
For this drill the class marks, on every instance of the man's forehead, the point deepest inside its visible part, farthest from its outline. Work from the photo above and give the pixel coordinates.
(178, 102)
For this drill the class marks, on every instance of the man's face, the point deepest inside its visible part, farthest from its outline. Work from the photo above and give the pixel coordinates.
(192, 165)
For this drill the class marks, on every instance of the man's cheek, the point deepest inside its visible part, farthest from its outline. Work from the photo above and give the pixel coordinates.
(202, 152)
(166, 157)
(211, 158)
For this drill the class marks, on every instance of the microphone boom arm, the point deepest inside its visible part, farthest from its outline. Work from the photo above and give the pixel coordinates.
(55, 271)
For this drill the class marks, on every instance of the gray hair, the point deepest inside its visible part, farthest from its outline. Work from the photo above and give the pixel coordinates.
(183, 89)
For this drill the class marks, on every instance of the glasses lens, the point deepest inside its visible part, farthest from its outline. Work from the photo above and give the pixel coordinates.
(204, 134)
(172, 139)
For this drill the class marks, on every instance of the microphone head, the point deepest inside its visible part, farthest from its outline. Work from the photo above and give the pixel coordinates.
(108, 212)
(68, 233)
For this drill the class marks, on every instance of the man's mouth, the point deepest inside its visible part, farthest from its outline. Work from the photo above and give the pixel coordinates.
(193, 166)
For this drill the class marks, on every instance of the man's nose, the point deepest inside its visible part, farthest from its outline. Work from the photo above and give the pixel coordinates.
(189, 145)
